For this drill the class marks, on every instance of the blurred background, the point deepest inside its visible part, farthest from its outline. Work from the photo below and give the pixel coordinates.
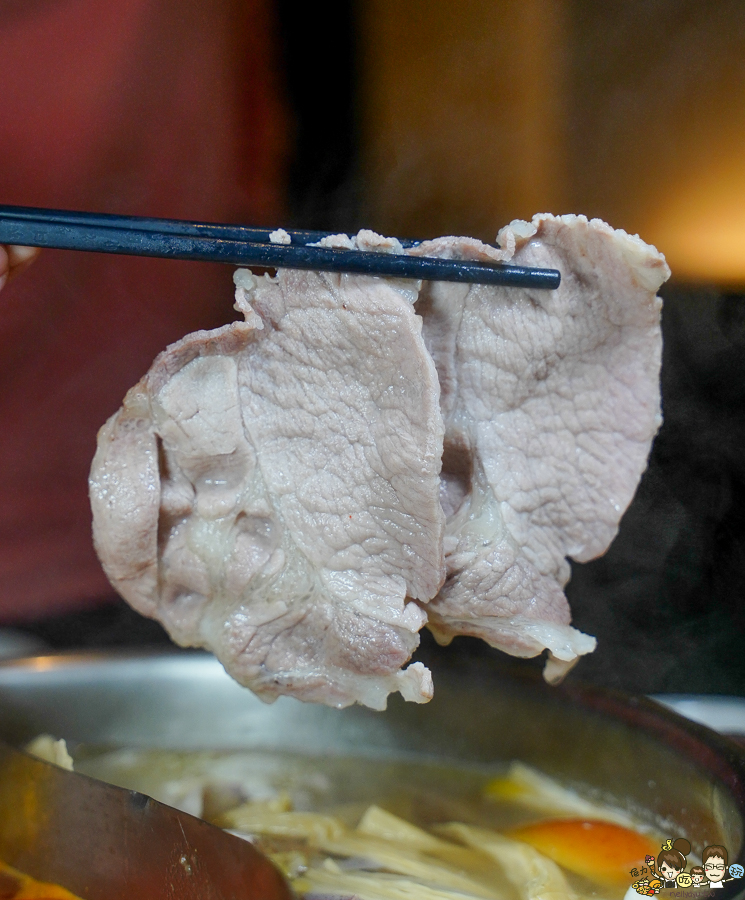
(417, 119)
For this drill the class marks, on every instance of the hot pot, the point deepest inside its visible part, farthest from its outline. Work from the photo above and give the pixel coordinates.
(628, 751)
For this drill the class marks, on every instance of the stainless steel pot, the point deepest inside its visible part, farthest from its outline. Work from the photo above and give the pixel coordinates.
(628, 751)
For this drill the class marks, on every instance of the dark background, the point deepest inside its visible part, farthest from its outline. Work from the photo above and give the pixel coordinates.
(667, 602)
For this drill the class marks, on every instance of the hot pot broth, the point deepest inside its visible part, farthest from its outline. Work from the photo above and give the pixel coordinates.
(342, 825)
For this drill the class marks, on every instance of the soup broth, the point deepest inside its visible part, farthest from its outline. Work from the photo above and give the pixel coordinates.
(385, 829)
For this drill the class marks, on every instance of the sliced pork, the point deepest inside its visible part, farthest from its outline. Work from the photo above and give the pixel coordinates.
(300, 492)
(551, 400)
(270, 490)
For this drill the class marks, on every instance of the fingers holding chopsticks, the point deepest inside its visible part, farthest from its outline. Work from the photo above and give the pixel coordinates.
(14, 259)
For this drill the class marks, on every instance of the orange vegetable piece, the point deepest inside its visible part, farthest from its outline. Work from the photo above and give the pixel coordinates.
(601, 851)
(14, 885)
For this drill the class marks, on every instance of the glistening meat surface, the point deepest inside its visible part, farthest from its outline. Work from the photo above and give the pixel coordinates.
(551, 401)
(272, 490)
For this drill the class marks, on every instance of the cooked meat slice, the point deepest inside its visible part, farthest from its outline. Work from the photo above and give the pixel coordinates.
(551, 401)
(270, 490)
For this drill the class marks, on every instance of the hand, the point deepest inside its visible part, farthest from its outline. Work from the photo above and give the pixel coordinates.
(14, 260)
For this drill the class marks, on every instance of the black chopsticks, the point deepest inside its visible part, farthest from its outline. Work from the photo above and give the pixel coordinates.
(242, 245)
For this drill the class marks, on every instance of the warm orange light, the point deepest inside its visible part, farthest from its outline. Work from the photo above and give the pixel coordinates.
(43, 663)
(701, 226)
